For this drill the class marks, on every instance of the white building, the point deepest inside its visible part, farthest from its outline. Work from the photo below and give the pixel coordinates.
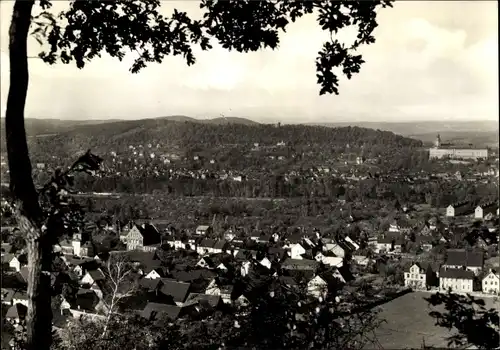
(482, 210)
(296, 251)
(491, 283)
(415, 277)
(458, 280)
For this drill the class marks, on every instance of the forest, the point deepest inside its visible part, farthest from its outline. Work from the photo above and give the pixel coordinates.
(118, 136)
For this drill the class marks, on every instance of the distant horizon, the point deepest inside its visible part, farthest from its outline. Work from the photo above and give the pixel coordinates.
(258, 120)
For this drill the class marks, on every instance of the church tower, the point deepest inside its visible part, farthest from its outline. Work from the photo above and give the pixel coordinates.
(437, 143)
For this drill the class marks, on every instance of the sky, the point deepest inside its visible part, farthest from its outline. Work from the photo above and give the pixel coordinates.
(432, 60)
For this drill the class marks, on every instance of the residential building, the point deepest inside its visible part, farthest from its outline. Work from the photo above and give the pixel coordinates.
(485, 209)
(458, 280)
(203, 230)
(296, 251)
(415, 276)
(463, 258)
(491, 282)
(12, 262)
(459, 209)
(389, 243)
(142, 237)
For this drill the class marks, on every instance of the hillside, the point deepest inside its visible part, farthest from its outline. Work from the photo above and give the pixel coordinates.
(37, 127)
(118, 136)
(44, 127)
(423, 127)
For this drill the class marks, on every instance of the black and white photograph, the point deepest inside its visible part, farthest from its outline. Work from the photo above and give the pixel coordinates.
(249, 174)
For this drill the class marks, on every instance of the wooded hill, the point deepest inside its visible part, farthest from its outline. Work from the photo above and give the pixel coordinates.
(117, 136)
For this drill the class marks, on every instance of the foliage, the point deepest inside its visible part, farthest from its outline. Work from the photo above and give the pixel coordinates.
(474, 324)
(124, 333)
(115, 27)
(276, 318)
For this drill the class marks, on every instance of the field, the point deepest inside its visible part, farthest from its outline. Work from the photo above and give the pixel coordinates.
(408, 323)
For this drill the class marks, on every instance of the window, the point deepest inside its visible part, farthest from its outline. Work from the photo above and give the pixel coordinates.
(486, 282)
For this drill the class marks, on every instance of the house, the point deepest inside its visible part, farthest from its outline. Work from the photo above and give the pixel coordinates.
(206, 262)
(392, 243)
(458, 280)
(203, 230)
(425, 242)
(16, 313)
(205, 300)
(317, 287)
(485, 209)
(94, 280)
(300, 268)
(216, 287)
(205, 247)
(142, 237)
(155, 273)
(155, 311)
(415, 276)
(394, 227)
(12, 262)
(296, 251)
(20, 297)
(361, 260)
(458, 209)
(461, 258)
(265, 262)
(491, 282)
(333, 261)
(320, 284)
(86, 302)
(177, 290)
(352, 242)
(220, 246)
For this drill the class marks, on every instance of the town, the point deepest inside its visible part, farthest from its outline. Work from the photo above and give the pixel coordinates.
(249, 174)
(186, 258)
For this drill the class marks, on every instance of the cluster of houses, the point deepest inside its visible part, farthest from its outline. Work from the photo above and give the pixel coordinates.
(484, 211)
(462, 272)
(185, 288)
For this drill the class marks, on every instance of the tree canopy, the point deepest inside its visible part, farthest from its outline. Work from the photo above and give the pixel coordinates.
(88, 28)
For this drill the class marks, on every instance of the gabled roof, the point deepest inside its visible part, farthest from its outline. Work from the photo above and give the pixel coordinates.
(150, 284)
(189, 276)
(288, 280)
(177, 290)
(462, 257)
(17, 311)
(202, 227)
(86, 299)
(151, 310)
(97, 275)
(456, 273)
(7, 258)
(149, 234)
(211, 300)
(300, 264)
(220, 244)
(20, 295)
(207, 243)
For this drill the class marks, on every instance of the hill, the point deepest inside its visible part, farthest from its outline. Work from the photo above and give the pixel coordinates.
(42, 127)
(182, 136)
(480, 133)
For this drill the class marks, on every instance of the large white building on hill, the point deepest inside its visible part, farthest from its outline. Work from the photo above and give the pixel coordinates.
(449, 151)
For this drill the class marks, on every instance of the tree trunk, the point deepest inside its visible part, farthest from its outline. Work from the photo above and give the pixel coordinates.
(27, 208)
